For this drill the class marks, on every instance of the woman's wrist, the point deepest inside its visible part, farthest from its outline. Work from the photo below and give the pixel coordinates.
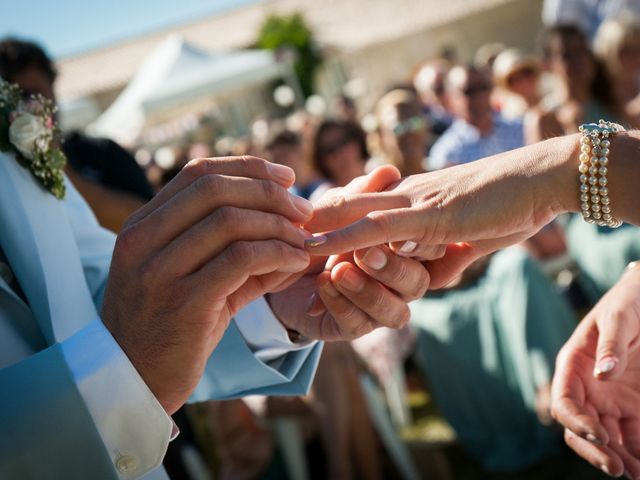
(558, 177)
(624, 174)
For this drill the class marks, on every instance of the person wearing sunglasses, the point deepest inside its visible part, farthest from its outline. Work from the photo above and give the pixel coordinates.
(477, 131)
(516, 76)
(403, 131)
(339, 154)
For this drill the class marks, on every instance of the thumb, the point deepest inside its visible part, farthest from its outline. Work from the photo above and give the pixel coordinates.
(615, 333)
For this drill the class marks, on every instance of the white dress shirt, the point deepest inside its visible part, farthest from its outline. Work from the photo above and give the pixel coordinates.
(463, 143)
(132, 424)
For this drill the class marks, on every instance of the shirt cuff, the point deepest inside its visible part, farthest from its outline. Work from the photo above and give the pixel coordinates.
(263, 332)
(134, 427)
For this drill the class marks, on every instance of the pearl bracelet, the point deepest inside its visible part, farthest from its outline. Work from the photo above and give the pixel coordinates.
(594, 159)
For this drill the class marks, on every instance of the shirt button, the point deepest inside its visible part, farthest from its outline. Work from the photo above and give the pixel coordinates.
(5, 273)
(127, 463)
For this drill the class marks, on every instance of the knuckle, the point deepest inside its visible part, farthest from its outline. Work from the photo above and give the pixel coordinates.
(363, 328)
(279, 223)
(348, 314)
(402, 317)
(336, 202)
(208, 185)
(420, 286)
(240, 253)
(225, 216)
(197, 167)
(400, 274)
(281, 250)
(251, 163)
(149, 272)
(271, 191)
(128, 237)
(620, 315)
(381, 222)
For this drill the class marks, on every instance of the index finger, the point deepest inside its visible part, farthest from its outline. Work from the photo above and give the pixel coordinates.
(375, 228)
(336, 211)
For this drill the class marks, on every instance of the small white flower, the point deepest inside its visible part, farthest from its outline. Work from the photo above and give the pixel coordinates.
(24, 131)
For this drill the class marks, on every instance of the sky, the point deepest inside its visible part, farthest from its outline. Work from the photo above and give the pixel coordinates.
(67, 27)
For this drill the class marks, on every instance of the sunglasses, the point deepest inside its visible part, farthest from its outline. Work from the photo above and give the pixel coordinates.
(413, 124)
(475, 89)
(520, 74)
(331, 148)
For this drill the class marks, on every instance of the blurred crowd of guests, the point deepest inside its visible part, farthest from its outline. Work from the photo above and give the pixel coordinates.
(484, 347)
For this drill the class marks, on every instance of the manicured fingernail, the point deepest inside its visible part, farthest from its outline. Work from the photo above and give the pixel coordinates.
(352, 281)
(605, 365)
(281, 172)
(375, 258)
(311, 304)
(408, 247)
(593, 439)
(303, 205)
(605, 469)
(315, 241)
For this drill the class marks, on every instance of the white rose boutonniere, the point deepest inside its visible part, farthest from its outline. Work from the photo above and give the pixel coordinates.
(24, 132)
(27, 129)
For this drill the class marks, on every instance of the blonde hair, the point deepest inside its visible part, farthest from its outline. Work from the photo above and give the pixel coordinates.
(612, 36)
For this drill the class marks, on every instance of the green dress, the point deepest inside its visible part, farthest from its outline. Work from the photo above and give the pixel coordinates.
(486, 348)
(602, 253)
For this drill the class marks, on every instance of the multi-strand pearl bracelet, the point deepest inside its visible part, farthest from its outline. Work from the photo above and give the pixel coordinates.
(594, 160)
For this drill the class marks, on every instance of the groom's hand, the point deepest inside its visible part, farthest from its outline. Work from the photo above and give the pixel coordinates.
(186, 262)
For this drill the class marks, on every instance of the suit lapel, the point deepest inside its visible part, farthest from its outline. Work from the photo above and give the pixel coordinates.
(37, 238)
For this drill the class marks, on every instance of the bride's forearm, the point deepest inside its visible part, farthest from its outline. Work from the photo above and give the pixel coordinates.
(557, 162)
(624, 176)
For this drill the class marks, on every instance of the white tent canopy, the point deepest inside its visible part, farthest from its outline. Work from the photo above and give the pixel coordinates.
(176, 72)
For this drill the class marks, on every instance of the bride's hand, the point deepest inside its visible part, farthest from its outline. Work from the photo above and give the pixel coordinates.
(488, 204)
(346, 296)
(596, 389)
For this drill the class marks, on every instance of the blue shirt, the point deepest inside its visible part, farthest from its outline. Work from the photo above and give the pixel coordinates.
(462, 142)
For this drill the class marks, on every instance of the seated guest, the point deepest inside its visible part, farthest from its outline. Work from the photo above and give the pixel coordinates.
(516, 76)
(339, 153)
(285, 148)
(429, 83)
(477, 131)
(616, 249)
(617, 47)
(488, 345)
(403, 131)
(583, 93)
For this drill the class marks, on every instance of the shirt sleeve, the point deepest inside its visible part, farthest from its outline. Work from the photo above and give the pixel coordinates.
(264, 333)
(134, 427)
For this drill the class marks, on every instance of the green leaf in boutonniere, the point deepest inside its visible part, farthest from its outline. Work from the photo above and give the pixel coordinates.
(28, 130)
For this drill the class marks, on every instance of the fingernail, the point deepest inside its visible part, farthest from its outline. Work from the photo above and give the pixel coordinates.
(315, 241)
(311, 304)
(605, 365)
(605, 469)
(303, 205)
(375, 258)
(408, 247)
(281, 172)
(352, 281)
(593, 439)
(330, 290)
